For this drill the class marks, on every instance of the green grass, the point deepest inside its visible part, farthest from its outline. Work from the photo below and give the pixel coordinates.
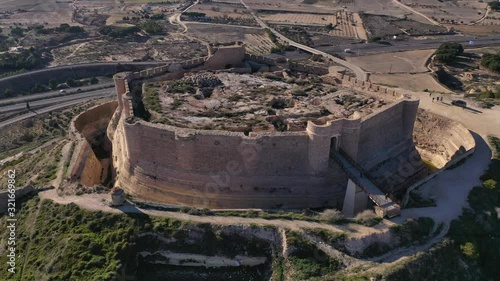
(329, 237)
(306, 260)
(64, 242)
(429, 165)
(150, 97)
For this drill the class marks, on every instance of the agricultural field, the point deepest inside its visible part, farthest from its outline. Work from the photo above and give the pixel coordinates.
(26, 12)
(388, 26)
(464, 12)
(221, 13)
(224, 33)
(476, 30)
(414, 82)
(325, 6)
(219, 9)
(340, 23)
(300, 18)
(400, 62)
(314, 36)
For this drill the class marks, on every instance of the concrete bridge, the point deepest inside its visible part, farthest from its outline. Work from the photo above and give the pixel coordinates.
(360, 187)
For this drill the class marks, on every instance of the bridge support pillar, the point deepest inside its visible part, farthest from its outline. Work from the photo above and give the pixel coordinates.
(355, 200)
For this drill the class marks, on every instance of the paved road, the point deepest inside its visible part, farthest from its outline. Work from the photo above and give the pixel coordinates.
(360, 73)
(59, 105)
(411, 44)
(56, 100)
(34, 97)
(85, 64)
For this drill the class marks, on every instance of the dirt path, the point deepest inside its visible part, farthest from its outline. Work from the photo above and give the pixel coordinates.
(480, 120)
(415, 12)
(76, 50)
(100, 202)
(60, 169)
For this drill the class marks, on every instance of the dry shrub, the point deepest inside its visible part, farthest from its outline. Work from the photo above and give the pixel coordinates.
(331, 215)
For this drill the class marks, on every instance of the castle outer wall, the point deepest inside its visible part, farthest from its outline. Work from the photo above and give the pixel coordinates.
(219, 169)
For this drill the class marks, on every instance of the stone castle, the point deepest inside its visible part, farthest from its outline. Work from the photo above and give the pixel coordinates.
(229, 170)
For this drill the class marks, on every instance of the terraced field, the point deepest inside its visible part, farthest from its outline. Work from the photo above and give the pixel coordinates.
(258, 44)
(342, 24)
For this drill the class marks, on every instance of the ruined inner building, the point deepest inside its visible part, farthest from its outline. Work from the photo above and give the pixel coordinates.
(232, 130)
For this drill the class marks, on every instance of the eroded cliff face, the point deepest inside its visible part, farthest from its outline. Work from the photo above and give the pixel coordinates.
(440, 140)
(94, 149)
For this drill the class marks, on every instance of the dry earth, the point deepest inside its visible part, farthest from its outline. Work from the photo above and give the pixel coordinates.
(412, 82)
(400, 62)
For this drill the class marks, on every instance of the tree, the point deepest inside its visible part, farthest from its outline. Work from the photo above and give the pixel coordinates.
(71, 83)
(94, 81)
(53, 84)
(151, 27)
(16, 31)
(490, 184)
(469, 250)
(448, 52)
(495, 5)
(491, 61)
(329, 26)
(8, 93)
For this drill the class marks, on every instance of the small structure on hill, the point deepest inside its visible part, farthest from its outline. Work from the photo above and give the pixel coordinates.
(117, 196)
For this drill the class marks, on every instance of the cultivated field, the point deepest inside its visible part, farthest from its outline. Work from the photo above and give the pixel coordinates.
(219, 9)
(400, 62)
(224, 33)
(413, 82)
(344, 24)
(324, 6)
(450, 11)
(477, 30)
(256, 39)
(27, 12)
(388, 26)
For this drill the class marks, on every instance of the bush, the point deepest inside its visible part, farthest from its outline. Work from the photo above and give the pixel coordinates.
(331, 216)
(374, 39)
(469, 250)
(491, 61)
(490, 184)
(71, 83)
(367, 217)
(152, 27)
(448, 52)
(495, 5)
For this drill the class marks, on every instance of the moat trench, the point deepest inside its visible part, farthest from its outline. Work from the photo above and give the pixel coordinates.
(93, 126)
(201, 252)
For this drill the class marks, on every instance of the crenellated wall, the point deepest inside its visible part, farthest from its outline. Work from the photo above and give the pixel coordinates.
(225, 170)
(220, 169)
